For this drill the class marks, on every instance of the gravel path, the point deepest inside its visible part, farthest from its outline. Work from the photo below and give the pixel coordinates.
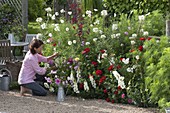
(11, 102)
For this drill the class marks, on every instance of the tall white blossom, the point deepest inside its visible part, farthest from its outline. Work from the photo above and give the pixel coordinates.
(104, 12)
(48, 9)
(86, 87)
(39, 19)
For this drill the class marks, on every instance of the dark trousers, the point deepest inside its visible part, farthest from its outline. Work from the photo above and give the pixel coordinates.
(37, 89)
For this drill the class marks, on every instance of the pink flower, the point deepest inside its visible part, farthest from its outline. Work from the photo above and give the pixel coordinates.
(129, 101)
(123, 95)
(48, 79)
(57, 81)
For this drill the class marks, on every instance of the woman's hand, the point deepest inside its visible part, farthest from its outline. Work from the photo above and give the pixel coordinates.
(55, 54)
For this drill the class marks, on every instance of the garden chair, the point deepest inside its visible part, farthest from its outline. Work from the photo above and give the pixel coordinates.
(28, 39)
(5, 52)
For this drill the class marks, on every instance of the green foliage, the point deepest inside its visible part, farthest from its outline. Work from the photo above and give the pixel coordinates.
(35, 9)
(9, 22)
(157, 70)
(33, 28)
(155, 23)
(143, 7)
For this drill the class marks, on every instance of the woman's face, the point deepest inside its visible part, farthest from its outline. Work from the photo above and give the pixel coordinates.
(39, 50)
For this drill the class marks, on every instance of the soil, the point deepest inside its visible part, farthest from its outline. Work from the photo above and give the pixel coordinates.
(11, 102)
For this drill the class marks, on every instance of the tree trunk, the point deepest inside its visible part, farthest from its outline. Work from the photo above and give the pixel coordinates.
(168, 28)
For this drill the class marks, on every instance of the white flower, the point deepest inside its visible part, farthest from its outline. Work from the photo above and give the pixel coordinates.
(113, 36)
(88, 12)
(141, 30)
(56, 13)
(69, 42)
(39, 36)
(95, 9)
(97, 22)
(134, 35)
(94, 39)
(62, 11)
(48, 9)
(46, 85)
(104, 12)
(145, 33)
(129, 69)
(74, 41)
(118, 35)
(62, 21)
(48, 41)
(43, 26)
(48, 14)
(102, 36)
(51, 89)
(86, 87)
(53, 17)
(100, 31)
(83, 15)
(57, 28)
(95, 30)
(132, 42)
(91, 25)
(69, 12)
(114, 27)
(75, 88)
(141, 18)
(39, 19)
(137, 57)
(121, 44)
(92, 82)
(50, 35)
(131, 38)
(87, 43)
(104, 55)
(67, 29)
(125, 61)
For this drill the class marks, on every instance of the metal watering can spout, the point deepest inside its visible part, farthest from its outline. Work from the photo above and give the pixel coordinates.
(5, 79)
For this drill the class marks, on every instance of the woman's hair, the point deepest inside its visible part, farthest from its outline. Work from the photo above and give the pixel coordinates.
(35, 43)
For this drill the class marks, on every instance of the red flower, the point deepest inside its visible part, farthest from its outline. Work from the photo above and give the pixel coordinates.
(105, 91)
(119, 66)
(107, 99)
(80, 26)
(81, 86)
(142, 38)
(140, 48)
(116, 92)
(149, 38)
(110, 67)
(54, 44)
(94, 63)
(102, 79)
(102, 51)
(86, 50)
(121, 59)
(113, 101)
(99, 72)
(119, 88)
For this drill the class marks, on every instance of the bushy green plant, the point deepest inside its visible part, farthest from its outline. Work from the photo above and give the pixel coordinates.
(9, 22)
(157, 70)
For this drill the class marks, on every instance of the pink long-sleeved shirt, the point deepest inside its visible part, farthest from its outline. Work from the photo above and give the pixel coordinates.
(30, 67)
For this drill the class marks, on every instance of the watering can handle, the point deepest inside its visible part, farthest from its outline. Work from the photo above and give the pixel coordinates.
(7, 71)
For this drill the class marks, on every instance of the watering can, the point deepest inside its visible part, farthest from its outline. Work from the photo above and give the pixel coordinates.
(5, 79)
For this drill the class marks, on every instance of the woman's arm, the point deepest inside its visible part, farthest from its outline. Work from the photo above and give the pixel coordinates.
(52, 56)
